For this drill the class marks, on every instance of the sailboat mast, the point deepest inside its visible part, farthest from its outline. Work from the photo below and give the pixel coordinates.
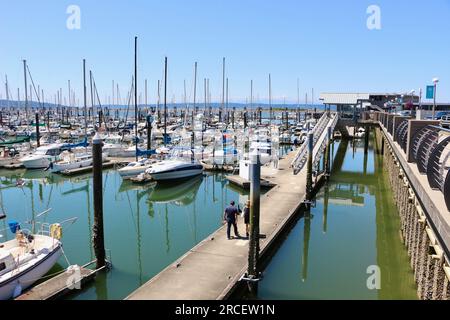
(135, 97)
(195, 88)
(26, 93)
(84, 99)
(165, 101)
(270, 99)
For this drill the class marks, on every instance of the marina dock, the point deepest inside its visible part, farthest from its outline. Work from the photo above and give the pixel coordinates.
(73, 172)
(213, 268)
(60, 285)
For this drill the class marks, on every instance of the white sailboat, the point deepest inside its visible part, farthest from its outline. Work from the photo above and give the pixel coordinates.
(26, 258)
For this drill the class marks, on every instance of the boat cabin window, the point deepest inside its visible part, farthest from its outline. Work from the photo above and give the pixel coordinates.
(2, 266)
(53, 152)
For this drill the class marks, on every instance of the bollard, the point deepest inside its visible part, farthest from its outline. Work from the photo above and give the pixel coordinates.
(253, 252)
(98, 235)
(37, 130)
(327, 154)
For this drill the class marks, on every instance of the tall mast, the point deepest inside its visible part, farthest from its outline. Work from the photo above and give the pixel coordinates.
(223, 84)
(26, 93)
(7, 90)
(251, 94)
(298, 93)
(270, 99)
(84, 99)
(146, 101)
(165, 101)
(135, 97)
(195, 88)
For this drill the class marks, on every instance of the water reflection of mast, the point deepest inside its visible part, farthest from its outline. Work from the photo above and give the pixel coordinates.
(325, 207)
(88, 197)
(167, 229)
(33, 229)
(138, 221)
(306, 236)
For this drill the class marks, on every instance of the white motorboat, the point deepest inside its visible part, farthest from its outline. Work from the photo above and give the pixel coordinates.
(42, 157)
(73, 160)
(135, 168)
(115, 148)
(174, 169)
(26, 259)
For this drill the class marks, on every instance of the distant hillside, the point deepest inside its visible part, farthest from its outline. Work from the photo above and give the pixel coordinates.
(35, 104)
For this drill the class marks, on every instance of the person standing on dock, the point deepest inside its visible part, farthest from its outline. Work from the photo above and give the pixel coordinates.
(246, 215)
(230, 217)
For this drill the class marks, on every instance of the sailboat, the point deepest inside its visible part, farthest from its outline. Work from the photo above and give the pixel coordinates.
(27, 257)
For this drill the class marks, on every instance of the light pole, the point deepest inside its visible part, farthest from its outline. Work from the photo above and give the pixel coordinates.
(412, 92)
(435, 81)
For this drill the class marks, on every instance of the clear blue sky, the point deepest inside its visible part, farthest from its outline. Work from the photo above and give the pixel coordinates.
(324, 43)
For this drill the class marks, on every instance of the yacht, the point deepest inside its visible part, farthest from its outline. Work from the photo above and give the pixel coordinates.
(174, 169)
(69, 160)
(42, 157)
(27, 258)
(115, 148)
(135, 168)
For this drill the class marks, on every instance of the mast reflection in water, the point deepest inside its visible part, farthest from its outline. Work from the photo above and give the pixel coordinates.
(354, 225)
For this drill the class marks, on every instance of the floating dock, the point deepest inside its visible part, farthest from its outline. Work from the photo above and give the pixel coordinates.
(245, 184)
(61, 285)
(73, 172)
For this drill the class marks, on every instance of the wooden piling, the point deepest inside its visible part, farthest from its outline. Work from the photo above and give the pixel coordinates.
(253, 253)
(98, 232)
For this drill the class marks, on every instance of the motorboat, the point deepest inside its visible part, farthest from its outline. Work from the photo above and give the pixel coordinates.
(174, 169)
(27, 258)
(135, 168)
(42, 157)
(70, 160)
(114, 147)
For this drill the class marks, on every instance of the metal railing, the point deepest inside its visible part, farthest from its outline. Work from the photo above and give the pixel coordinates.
(430, 148)
(300, 158)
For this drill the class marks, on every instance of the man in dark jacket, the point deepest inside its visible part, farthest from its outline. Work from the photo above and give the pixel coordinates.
(230, 217)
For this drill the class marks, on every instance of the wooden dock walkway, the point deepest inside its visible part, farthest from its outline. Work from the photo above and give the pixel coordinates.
(73, 172)
(212, 269)
(60, 285)
(245, 184)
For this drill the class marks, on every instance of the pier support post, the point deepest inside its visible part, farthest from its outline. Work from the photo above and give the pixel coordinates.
(37, 130)
(253, 252)
(366, 140)
(327, 154)
(309, 180)
(98, 234)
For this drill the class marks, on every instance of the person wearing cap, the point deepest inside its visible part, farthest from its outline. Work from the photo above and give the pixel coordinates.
(230, 217)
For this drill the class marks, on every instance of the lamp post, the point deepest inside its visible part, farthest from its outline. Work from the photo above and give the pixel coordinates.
(412, 92)
(435, 81)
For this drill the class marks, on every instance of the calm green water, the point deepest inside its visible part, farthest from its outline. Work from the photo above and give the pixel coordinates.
(353, 225)
(146, 228)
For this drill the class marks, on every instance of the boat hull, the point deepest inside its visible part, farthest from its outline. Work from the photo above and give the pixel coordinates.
(30, 275)
(55, 167)
(36, 163)
(177, 174)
